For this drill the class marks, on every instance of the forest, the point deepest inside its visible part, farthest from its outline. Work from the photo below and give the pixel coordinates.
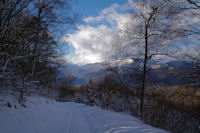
(148, 65)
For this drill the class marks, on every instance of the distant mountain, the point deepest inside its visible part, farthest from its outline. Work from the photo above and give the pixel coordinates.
(83, 73)
(163, 72)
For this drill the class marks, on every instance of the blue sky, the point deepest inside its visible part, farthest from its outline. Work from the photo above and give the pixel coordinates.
(88, 8)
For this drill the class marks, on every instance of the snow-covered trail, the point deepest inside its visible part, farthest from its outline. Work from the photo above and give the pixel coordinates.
(48, 116)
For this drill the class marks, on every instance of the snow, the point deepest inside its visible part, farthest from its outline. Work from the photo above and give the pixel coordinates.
(44, 115)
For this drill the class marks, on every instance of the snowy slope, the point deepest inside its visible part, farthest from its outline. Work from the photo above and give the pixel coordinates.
(48, 116)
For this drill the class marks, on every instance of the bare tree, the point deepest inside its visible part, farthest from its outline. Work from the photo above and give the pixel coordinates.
(152, 26)
(46, 16)
(190, 12)
(193, 10)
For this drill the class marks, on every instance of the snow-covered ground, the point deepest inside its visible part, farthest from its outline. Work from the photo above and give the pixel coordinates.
(43, 115)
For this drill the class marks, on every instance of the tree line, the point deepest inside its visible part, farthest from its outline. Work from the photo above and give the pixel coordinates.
(28, 40)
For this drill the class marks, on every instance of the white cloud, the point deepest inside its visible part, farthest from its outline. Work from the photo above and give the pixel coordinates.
(111, 15)
(93, 43)
(90, 43)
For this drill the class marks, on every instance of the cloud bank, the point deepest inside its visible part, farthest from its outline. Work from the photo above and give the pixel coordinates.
(93, 40)
(93, 43)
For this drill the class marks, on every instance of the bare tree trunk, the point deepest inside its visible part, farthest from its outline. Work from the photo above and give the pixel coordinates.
(37, 35)
(21, 97)
(144, 74)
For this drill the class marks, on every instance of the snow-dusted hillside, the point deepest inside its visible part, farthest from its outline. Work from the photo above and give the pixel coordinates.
(43, 115)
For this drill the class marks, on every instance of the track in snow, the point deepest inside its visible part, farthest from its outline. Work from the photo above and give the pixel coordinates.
(47, 116)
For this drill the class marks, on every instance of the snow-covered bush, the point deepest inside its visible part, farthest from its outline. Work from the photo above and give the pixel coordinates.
(107, 94)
